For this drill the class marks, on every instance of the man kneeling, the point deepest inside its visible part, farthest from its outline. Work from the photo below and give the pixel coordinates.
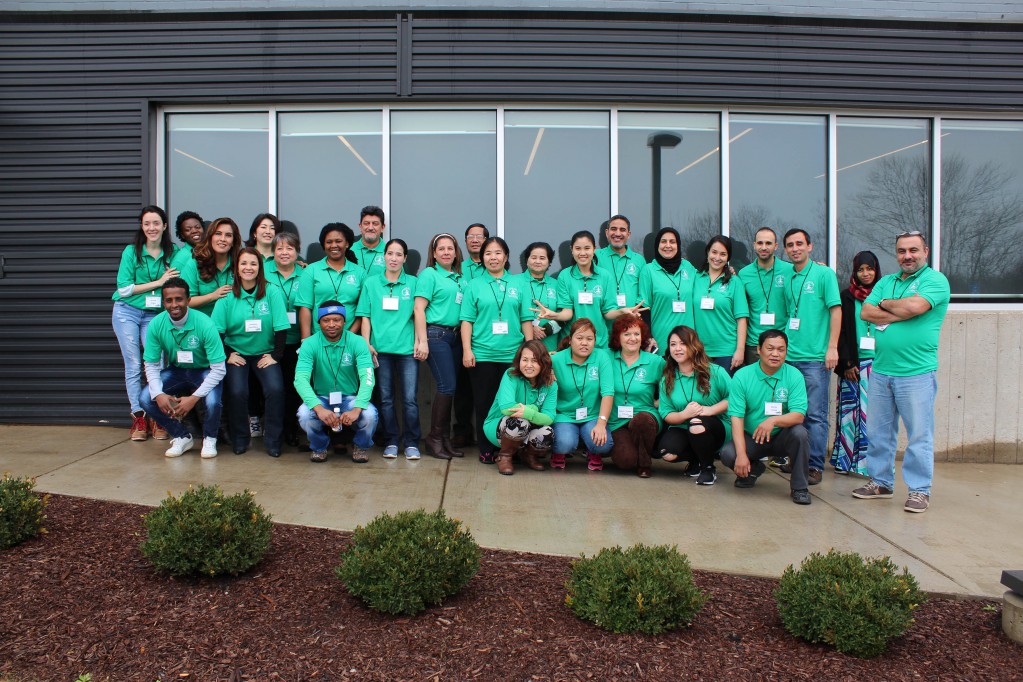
(767, 406)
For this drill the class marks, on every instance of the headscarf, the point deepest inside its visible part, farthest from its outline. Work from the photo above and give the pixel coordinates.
(670, 265)
(858, 290)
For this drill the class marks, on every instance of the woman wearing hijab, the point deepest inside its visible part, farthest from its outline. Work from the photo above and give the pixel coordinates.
(666, 285)
(855, 358)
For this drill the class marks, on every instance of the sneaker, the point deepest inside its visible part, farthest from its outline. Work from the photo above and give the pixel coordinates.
(692, 469)
(557, 461)
(159, 433)
(390, 452)
(179, 446)
(872, 491)
(412, 453)
(138, 429)
(801, 496)
(917, 503)
(486, 457)
(780, 461)
(594, 462)
(359, 455)
(255, 428)
(318, 456)
(814, 477)
(757, 468)
(707, 476)
(209, 448)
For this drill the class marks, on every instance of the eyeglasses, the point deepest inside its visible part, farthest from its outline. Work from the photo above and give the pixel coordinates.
(914, 233)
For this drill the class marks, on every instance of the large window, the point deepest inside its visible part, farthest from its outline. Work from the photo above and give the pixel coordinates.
(982, 207)
(556, 177)
(778, 174)
(335, 157)
(884, 186)
(669, 175)
(217, 165)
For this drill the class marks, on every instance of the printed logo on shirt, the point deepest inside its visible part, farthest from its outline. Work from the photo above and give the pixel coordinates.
(912, 288)
(513, 292)
(598, 290)
(641, 374)
(808, 288)
(263, 308)
(406, 293)
(723, 287)
(350, 279)
(781, 394)
(378, 260)
(542, 396)
(685, 275)
(346, 359)
(593, 373)
(779, 281)
(191, 342)
(631, 268)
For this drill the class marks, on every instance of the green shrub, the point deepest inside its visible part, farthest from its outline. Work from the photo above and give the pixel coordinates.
(204, 532)
(404, 563)
(21, 511)
(854, 604)
(640, 589)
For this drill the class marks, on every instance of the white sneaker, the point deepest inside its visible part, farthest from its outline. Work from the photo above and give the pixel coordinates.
(209, 448)
(179, 446)
(255, 428)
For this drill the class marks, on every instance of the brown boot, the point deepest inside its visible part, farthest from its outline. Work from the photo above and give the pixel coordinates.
(504, 458)
(442, 403)
(530, 457)
(434, 440)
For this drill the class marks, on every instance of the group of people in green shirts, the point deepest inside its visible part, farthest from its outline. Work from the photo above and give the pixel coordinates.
(615, 357)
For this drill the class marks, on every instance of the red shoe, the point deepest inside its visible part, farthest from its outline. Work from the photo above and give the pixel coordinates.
(156, 430)
(557, 461)
(594, 462)
(138, 427)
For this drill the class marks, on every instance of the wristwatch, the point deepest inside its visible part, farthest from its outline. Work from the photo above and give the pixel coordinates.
(880, 304)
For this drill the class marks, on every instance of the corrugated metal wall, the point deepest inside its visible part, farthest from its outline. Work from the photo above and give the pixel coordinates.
(77, 94)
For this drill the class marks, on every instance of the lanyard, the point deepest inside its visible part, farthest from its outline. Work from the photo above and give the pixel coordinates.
(774, 386)
(767, 289)
(218, 273)
(288, 295)
(621, 372)
(335, 371)
(618, 278)
(179, 336)
(680, 380)
(895, 282)
(710, 282)
(500, 304)
(252, 303)
(537, 399)
(391, 285)
(337, 287)
(160, 268)
(543, 288)
(795, 313)
(677, 282)
(585, 278)
(575, 381)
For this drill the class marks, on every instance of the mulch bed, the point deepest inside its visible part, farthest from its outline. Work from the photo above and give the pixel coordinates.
(83, 599)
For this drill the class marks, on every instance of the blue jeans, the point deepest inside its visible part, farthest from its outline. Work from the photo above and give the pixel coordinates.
(911, 398)
(445, 357)
(179, 381)
(566, 438)
(130, 325)
(319, 439)
(818, 379)
(272, 380)
(407, 369)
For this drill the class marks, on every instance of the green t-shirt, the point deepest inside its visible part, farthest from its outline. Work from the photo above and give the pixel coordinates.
(288, 286)
(589, 297)
(863, 328)
(685, 390)
(765, 293)
(181, 257)
(198, 336)
(809, 296)
(494, 305)
(623, 271)
(320, 282)
(717, 327)
(539, 402)
(670, 298)
(471, 269)
(248, 324)
(910, 347)
(443, 291)
(345, 367)
(752, 390)
(582, 385)
(370, 260)
(635, 386)
(200, 287)
(544, 290)
(131, 272)
(389, 307)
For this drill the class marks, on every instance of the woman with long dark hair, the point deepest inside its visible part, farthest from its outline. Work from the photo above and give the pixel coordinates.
(720, 308)
(265, 227)
(210, 272)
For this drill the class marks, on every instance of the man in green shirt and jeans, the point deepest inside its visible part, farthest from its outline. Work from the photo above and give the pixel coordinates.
(767, 406)
(907, 309)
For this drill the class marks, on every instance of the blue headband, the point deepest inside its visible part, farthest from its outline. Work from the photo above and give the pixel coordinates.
(331, 310)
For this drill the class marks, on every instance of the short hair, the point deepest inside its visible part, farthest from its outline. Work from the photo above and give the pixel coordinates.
(327, 304)
(287, 238)
(622, 324)
(486, 232)
(769, 229)
(577, 326)
(175, 283)
(526, 252)
(796, 230)
(769, 334)
(375, 211)
(346, 232)
(543, 358)
(619, 216)
(180, 221)
(431, 259)
(912, 233)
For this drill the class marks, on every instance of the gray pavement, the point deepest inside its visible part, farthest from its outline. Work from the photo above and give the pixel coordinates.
(960, 546)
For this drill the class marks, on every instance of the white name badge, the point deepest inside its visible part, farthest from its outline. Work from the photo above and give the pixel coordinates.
(390, 302)
(794, 323)
(621, 300)
(185, 357)
(580, 413)
(707, 303)
(772, 409)
(766, 319)
(500, 328)
(458, 298)
(153, 302)
(292, 317)
(585, 298)
(625, 411)
(678, 306)
(253, 325)
(335, 397)
(867, 342)
(881, 327)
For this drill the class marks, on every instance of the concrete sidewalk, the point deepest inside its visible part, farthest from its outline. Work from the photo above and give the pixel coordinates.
(960, 546)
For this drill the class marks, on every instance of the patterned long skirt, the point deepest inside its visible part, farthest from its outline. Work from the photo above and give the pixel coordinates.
(850, 452)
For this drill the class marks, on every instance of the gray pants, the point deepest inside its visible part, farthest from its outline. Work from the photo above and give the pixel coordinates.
(793, 442)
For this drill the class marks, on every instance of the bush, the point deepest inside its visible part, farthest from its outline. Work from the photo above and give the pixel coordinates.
(640, 589)
(854, 604)
(21, 511)
(204, 532)
(404, 563)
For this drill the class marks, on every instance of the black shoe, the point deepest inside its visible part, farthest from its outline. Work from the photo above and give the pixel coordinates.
(273, 452)
(801, 496)
(692, 470)
(784, 468)
(241, 449)
(756, 470)
(781, 461)
(707, 476)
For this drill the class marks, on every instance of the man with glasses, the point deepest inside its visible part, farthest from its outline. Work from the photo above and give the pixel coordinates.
(907, 308)
(475, 235)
